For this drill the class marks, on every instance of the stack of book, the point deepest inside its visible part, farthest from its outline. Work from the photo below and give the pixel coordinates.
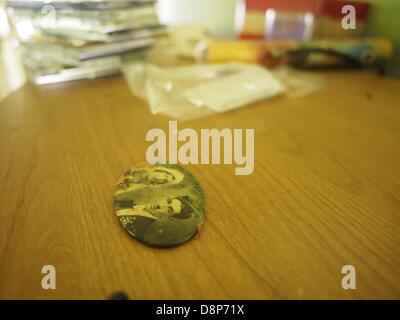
(63, 40)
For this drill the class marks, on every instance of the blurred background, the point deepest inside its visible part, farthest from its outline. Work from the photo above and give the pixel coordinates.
(247, 20)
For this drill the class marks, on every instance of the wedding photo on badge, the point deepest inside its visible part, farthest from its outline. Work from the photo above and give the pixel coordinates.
(161, 206)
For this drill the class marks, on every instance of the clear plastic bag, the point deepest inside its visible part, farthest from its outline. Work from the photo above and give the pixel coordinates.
(299, 84)
(185, 93)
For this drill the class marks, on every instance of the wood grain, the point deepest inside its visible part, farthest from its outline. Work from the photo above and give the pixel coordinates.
(325, 193)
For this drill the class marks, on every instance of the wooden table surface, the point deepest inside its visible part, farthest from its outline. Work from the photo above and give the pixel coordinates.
(325, 193)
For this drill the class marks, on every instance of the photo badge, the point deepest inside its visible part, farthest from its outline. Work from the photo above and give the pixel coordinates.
(161, 205)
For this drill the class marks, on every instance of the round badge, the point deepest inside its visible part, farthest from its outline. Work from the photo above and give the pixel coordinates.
(161, 205)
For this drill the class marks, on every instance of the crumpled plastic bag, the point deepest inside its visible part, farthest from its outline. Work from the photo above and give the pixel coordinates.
(185, 93)
(299, 84)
